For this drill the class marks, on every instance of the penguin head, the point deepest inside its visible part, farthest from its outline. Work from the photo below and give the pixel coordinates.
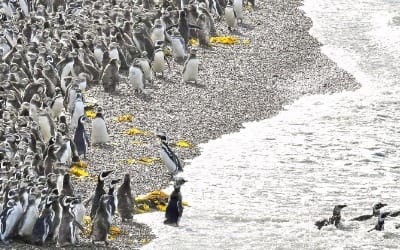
(379, 205)
(338, 208)
(162, 136)
(104, 174)
(83, 119)
(179, 181)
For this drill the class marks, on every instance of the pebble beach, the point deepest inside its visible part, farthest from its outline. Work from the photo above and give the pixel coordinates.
(273, 62)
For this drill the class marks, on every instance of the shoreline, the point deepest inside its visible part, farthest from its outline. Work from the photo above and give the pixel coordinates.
(227, 97)
(255, 82)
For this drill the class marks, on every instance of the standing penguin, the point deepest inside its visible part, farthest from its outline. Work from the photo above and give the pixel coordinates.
(46, 125)
(191, 68)
(98, 192)
(78, 111)
(230, 16)
(238, 8)
(28, 220)
(178, 48)
(175, 208)
(43, 225)
(67, 230)
(169, 158)
(158, 64)
(99, 134)
(81, 139)
(9, 218)
(110, 77)
(102, 220)
(136, 76)
(144, 64)
(67, 188)
(125, 199)
(113, 201)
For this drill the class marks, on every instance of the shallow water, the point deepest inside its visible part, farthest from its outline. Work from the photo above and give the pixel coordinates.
(264, 187)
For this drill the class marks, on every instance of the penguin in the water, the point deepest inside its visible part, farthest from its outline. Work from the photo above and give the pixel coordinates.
(81, 139)
(125, 199)
(99, 134)
(102, 220)
(174, 209)
(190, 71)
(380, 225)
(333, 220)
(99, 191)
(169, 158)
(375, 212)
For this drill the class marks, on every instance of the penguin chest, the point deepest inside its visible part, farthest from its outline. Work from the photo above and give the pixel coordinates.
(230, 17)
(238, 8)
(28, 221)
(114, 54)
(58, 107)
(98, 55)
(79, 110)
(178, 50)
(67, 70)
(191, 70)
(144, 64)
(157, 35)
(99, 132)
(136, 78)
(158, 63)
(168, 161)
(46, 128)
(12, 220)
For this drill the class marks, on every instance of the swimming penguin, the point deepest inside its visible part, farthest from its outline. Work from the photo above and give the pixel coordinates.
(9, 218)
(169, 158)
(67, 230)
(375, 212)
(28, 220)
(174, 209)
(99, 134)
(380, 225)
(44, 223)
(230, 16)
(334, 220)
(110, 77)
(136, 76)
(190, 71)
(81, 139)
(125, 199)
(102, 220)
(113, 201)
(98, 192)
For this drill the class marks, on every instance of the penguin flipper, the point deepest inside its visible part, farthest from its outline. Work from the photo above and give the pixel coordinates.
(362, 217)
(321, 223)
(82, 228)
(172, 26)
(395, 213)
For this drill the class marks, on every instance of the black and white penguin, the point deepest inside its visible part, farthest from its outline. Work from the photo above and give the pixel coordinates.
(136, 77)
(157, 32)
(144, 63)
(159, 60)
(125, 199)
(67, 230)
(375, 212)
(78, 111)
(169, 158)
(102, 220)
(110, 77)
(47, 126)
(190, 72)
(44, 223)
(113, 201)
(98, 192)
(28, 220)
(238, 8)
(99, 133)
(81, 139)
(230, 16)
(334, 220)
(9, 218)
(380, 225)
(178, 48)
(184, 27)
(174, 209)
(57, 104)
(67, 189)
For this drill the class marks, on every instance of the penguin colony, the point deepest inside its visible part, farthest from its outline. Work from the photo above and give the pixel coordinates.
(380, 217)
(51, 52)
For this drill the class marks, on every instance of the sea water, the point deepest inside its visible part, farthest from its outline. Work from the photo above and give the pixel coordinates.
(265, 186)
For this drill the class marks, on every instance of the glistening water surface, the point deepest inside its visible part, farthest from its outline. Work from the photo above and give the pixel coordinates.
(265, 186)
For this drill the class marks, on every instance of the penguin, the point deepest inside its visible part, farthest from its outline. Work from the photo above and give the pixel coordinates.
(81, 139)
(125, 199)
(158, 64)
(142, 41)
(157, 32)
(238, 9)
(110, 77)
(174, 209)
(57, 104)
(67, 189)
(113, 201)
(136, 76)
(184, 27)
(375, 212)
(191, 68)
(334, 220)
(98, 53)
(178, 48)
(204, 21)
(99, 134)
(44, 223)
(28, 220)
(67, 230)
(113, 52)
(230, 16)
(98, 192)
(144, 64)
(9, 218)
(46, 125)
(169, 158)
(79, 211)
(380, 224)
(79, 110)
(102, 220)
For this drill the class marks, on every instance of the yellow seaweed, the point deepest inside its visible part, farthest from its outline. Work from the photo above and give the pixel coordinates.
(183, 144)
(90, 114)
(224, 40)
(79, 172)
(124, 118)
(136, 131)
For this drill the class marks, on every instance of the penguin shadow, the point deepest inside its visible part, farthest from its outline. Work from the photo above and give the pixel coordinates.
(196, 85)
(247, 26)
